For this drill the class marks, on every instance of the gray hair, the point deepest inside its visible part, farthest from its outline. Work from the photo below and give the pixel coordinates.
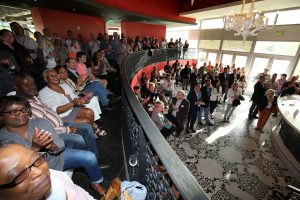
(181, 91)
(45, 73)
(269, 91)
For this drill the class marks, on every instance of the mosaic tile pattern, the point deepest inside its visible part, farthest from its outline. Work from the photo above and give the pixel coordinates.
(233, 161)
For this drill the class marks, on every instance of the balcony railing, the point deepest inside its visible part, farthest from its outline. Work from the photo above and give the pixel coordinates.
(149, 158)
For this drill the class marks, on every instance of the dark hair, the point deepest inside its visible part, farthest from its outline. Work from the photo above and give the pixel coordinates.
(79, 54)
(10, 100)
(3, 31)
(68, 59)
(20, 77)
(58, 67)
(285, 75)
(136, 87)
(261, 77)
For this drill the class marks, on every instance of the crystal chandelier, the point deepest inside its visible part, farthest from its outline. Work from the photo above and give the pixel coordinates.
(247, 24)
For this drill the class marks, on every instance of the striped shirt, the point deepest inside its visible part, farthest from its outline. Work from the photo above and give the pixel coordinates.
(40, 110)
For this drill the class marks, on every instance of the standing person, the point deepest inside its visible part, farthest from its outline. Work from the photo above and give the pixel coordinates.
(144, 84)
(265, 73)
(272, 84)
(168, 86)
(205, 97)
(216, 96)
(185, 76)
(161, 122)
(179, 47)
(185, 47)
(194, 97)
(233, 101)
(71, 43)
(48, 52)
(224, 80)
(280, 82)
(242, 84)
(167, 68)
(178, 112)
(258, 94)
(266, 107)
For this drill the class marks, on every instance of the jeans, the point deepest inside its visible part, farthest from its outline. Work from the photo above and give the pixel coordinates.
(73, 141)
(206, 111)
(86, 131)
(229, 111)
(75, 158)
(192, 116)
(98, 90)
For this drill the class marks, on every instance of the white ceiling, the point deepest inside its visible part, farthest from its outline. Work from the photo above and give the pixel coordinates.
(263, 5)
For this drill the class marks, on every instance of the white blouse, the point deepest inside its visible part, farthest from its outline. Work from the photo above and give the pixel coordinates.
(231, 94)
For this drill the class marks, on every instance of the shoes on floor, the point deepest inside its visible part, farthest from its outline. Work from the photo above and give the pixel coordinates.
(187, 131)
(254, 117)
(209, 124)
(114, 100)
(193, 130)
(200, 123)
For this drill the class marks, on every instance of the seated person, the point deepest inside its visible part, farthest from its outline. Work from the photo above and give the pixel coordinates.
(95, 87)
(137, 92)
(25, 86)
(168, 86)
(161, 122)
(35, 180)
(60, 98)
(40, 136)
(152, 94)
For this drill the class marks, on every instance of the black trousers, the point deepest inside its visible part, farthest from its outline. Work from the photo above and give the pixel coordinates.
(213, 105)
(191, 118)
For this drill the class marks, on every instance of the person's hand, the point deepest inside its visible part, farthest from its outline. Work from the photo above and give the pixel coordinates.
(6, 61)
(41, 138)
(91, 77)
(73, 129)
(83, 101)
(76, 101)
(169, 123)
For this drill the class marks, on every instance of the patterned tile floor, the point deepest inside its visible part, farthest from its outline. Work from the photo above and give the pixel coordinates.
(233, 161)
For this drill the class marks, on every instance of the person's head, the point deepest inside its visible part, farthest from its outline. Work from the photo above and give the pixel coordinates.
(217, 83)
(6, 36)
(71, 63)
(81, 57)
(274, 76)
(270, 93)
(180, 94)
(25, 85)
(208, 83)
(37, 35)
(70, 35)
(51, 77)
(242, 78)
(17, 28)
(235, 86)
(225, 70)
(46, 32)
(266, 70)
(197, 87)
(168, 77)
(14, 111)
(137, 89)
(283, 76)
(24, 174)
(62, 72)
(151, 86)
(101, 53)
(262, 79)
(159, 106)
(294, 79)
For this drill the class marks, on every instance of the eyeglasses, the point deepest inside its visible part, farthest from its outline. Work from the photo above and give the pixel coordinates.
(22, 176)
(17, 112)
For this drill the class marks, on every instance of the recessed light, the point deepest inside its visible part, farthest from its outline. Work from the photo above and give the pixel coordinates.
(74, 9)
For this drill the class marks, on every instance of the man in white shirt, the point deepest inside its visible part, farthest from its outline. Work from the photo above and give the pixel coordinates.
(168, 86)
(24, 40)
(72, 44)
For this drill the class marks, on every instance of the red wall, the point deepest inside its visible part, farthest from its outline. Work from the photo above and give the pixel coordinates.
(159, 66)
(60, 22)
(167, 9)
(132, 29)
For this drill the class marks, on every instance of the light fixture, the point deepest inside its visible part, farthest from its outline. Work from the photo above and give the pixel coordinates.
(247, 24)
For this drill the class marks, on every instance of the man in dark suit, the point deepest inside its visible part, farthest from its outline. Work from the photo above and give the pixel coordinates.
(194, 97)
(257, 96)
(205, 97)
(179, 109)
(224, 79)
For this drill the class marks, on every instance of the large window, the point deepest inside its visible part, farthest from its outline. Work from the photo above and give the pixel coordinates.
(240, 61)
(212, 23)
(297, 70)
(279, 48)
(227, 59)
(209, 44)
(237, 45)
(284, 17)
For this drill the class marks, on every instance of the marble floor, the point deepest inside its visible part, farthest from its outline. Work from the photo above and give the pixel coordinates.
(232, 160)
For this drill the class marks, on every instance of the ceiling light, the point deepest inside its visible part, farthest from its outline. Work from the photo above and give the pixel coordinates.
(247, 24)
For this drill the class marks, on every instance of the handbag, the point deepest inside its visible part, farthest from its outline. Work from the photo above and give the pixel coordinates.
(241, 97)
(236, 102)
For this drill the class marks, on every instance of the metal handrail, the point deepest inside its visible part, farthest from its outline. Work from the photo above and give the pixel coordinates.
(185, 182)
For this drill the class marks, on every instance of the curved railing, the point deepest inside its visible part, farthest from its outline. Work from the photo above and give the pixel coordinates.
(149, 158)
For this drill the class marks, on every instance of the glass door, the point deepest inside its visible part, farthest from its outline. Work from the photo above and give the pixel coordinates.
(227, 59)
(258, 66)
(240, 61)
(212, 57)
(280, 67)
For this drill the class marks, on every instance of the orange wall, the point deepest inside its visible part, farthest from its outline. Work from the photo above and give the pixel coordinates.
(167, 9)
(59, 22)
(132, 29)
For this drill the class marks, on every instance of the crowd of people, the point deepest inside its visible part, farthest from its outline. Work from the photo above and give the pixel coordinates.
(163, 94)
